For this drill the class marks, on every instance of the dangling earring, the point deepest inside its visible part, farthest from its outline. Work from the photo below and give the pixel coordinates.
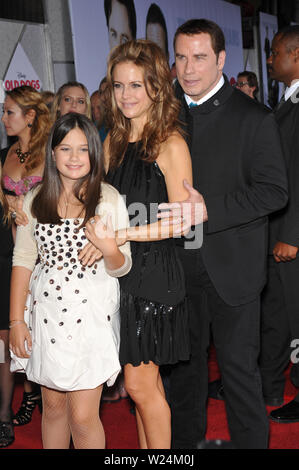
(29, 125)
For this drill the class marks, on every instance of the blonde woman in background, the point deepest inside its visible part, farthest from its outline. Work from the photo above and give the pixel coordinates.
(26, 117)
(72, 97)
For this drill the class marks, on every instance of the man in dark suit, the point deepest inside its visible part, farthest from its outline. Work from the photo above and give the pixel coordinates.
(280, 300)
(239, 172)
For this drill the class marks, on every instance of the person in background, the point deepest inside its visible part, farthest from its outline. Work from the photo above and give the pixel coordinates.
(65, 331)
(6, 377)
(146, 159)
(26, 116)
(156, 29)
(48, 97)
(121, 21)
(72, 97)
(95, 102)
(173, 72)
(247, 82)
(98, 108)
(237, 183)
(280, 301)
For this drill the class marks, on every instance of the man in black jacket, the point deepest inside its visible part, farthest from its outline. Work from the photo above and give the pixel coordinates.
(239, 172)
(280, 300)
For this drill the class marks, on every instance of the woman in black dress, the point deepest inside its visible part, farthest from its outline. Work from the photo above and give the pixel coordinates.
(147, 160)
(6, 378)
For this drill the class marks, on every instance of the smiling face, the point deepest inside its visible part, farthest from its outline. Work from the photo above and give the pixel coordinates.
(71, 157)
(130, 92)
(14, 120)
(73, 100)
(198, 70)
(119, 28)
(282, 64)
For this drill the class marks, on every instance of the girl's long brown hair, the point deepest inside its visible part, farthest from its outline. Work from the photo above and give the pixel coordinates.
(87, 189)
(163, 114)
(27, 98)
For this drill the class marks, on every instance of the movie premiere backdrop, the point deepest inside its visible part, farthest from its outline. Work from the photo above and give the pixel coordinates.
(94, 33)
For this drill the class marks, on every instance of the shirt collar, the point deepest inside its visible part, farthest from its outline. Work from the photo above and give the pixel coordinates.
(208, 95)
(290, 90)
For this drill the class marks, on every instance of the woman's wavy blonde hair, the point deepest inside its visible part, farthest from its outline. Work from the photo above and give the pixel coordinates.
(55, 112)
(27, 98)
(163, 114)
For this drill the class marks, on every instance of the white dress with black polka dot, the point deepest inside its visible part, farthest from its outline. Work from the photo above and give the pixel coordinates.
(72, 312)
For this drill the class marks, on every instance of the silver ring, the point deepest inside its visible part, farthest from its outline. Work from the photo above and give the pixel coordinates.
(92, 221)
(13, 215)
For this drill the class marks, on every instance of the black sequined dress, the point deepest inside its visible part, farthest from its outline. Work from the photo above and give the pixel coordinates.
(154, 315)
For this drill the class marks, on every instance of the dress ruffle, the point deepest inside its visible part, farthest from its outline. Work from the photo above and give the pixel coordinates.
(152, 331)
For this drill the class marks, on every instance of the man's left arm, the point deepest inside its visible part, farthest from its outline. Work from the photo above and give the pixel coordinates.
(266, 190)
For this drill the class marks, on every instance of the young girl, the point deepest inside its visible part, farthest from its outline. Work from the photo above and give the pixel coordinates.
(69, 343)
(147, 160)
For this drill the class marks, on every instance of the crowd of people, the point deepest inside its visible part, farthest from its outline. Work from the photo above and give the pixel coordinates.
(99, 292)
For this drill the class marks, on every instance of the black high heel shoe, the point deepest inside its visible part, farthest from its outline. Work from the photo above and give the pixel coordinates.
(29, 402)
(7, 435)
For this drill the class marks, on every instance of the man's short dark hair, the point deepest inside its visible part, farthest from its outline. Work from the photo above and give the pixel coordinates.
(198, 26)
(290, 34)
(155, 15)
(251, 79)
(129, 4)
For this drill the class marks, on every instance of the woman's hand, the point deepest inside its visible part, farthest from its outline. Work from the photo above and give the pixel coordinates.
(121, 237)
(89, 255)
(101, 235)
(15, 204)
(19, 334)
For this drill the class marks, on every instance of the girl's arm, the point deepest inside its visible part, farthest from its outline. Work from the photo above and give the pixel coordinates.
(100, 230)
(19, 332)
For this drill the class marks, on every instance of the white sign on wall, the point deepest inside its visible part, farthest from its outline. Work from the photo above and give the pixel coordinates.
(20, 72)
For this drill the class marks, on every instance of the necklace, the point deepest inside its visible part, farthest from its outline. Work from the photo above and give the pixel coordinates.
(67, 203)
(22, 155)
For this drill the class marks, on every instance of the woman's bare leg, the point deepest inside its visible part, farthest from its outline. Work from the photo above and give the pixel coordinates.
(144, 385)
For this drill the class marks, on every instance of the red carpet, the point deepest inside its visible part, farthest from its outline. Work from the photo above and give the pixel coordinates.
(120, 425)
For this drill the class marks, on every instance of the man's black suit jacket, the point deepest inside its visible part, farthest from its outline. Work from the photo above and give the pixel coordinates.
(284, 225)
(239, 168)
